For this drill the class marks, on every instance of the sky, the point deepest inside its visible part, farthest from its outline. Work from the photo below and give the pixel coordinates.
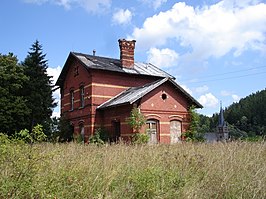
(216, 49)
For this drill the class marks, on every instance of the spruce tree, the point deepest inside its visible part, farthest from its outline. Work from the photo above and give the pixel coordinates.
(38, 90)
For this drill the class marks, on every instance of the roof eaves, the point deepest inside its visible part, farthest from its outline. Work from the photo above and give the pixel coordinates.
(102, 106)
(64, 70)
(151, 87)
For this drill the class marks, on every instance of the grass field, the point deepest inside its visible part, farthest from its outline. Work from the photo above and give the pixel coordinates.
(232, 170)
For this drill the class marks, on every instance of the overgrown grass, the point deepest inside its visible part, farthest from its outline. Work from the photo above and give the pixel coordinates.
(233, 170)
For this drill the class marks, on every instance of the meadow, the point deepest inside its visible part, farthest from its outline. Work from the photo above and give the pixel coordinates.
(186, 170)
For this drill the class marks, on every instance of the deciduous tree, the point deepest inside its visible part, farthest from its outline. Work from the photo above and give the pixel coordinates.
(13, 106)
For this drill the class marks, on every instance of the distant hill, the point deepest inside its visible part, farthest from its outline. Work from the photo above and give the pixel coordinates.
(245, 118)
(249, 114)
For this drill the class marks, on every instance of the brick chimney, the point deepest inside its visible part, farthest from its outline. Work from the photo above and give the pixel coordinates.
(127, 53)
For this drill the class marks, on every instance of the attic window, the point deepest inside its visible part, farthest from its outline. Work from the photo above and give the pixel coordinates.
(76, 71)
(164, 96)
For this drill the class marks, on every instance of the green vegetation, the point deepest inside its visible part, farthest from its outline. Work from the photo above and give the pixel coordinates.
(194, 133)
(13, 105)
(247, 118)
(233, 170)
(38, 90)
(136, 120)
(25, 92)
(96, 137)
(140, 138)
(249, 114)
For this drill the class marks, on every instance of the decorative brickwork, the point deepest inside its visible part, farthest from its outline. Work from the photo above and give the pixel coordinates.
(127, 53)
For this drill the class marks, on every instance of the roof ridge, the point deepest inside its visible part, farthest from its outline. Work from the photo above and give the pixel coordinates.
(88, 55)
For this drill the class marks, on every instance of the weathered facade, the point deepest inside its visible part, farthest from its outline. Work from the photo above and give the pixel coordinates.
(101, 92)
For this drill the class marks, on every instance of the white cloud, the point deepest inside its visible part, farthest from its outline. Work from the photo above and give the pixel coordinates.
(228, 26)
(92, 6)
(122, 16)
(202, 89)
(54, 73)
(208, 100)
(56, 111)
(154, 3)
(235, 97)
(186, 88)
(162, 58)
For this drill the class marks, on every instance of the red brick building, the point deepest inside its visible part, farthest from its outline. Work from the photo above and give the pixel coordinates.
(101, 92)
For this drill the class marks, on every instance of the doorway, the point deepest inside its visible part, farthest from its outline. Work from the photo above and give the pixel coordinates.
(175, 131)
(152, 131)
(116, 131)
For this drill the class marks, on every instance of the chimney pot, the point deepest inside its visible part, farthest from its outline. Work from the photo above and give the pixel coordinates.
(127, 53)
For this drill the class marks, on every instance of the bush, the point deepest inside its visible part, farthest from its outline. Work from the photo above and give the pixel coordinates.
(21, 161)
(140, 138)
(96, 138)
(136, 120)
(37, 135)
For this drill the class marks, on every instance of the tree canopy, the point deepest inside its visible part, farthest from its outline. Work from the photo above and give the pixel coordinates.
(249, 114)
(38, 90)
(247, 118)
(25, 92)
(13, 105)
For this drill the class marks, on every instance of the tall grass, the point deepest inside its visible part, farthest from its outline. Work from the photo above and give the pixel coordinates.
(233, 170)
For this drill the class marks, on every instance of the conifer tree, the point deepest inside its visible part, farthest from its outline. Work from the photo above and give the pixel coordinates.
(13, 107)
(38, 90)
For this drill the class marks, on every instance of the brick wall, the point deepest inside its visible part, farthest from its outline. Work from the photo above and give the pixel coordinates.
(174, 107)
(99, 86)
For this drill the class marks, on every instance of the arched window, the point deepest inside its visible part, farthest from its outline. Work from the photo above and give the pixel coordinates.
(82, 94)
(175, 131)
(153, 131)
(81, 131)
(71, 100)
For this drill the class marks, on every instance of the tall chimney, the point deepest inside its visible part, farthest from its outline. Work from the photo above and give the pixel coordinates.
(127, 53)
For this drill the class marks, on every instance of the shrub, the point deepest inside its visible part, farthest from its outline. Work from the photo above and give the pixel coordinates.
(136, 120)
(140, 138)
(96, 138)
(37, 135)
(21, 161)
(193, 133)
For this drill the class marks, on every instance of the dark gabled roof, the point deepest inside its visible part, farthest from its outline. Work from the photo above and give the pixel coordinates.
(133, 94)
(110, 64)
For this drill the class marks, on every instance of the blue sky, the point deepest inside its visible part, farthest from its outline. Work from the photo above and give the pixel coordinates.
(215, 49)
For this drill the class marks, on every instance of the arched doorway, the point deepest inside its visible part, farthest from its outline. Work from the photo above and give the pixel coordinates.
(81, 131)
(175, 131)
(152, 131)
